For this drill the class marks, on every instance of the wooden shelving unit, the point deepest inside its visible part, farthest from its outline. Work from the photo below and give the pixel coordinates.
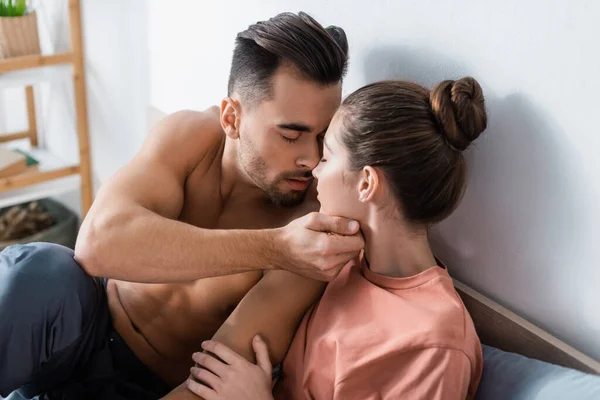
(53, 176)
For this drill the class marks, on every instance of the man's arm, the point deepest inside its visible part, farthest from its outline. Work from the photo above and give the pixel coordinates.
(132, 232)
(273, 308)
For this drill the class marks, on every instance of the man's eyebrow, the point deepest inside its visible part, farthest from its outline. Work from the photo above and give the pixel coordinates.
(293, 126)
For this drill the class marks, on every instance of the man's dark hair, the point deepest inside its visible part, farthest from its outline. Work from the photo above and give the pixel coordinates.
(318, 54)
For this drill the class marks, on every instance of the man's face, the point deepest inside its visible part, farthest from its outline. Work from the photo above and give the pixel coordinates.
(281, 137)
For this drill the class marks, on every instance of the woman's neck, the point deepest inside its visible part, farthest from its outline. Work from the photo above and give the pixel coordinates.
(393, 250)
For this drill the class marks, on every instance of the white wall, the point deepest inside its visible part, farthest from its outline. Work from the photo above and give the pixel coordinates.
(527, 232)
(116, 81)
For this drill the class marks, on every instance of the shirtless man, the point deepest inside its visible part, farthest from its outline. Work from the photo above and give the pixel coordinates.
(210, 232)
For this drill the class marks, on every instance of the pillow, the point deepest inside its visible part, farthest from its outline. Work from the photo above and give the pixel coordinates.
(515, 377)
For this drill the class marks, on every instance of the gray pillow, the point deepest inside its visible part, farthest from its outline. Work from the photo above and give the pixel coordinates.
(515, 377)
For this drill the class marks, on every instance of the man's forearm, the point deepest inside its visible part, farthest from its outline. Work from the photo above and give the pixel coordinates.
(142, 246)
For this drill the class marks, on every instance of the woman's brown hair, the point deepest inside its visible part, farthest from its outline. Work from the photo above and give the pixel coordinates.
(416, 138)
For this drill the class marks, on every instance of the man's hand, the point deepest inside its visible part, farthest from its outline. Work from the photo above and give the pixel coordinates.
(319, 245)
(234, 378)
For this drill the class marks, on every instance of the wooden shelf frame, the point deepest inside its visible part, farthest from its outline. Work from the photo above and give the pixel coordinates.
(24, 62)
(76, 59)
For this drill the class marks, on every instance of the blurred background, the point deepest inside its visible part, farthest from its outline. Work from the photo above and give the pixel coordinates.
(527, 233)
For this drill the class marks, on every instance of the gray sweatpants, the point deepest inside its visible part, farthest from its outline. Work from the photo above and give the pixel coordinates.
(56, 339)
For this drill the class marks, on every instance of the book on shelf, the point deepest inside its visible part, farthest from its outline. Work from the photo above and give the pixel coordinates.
(14, 162)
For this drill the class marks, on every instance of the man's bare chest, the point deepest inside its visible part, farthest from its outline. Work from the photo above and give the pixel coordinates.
(209, 211)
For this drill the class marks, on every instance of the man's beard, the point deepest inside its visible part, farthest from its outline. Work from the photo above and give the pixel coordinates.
(292, 198)
(256, 168)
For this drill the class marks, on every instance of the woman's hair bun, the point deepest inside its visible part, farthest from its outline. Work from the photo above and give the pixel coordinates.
(459, 107)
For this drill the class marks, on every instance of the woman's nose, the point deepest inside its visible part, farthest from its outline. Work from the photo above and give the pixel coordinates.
(315, 171)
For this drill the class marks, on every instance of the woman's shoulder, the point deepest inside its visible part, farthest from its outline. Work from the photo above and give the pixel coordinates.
(424, 310)
(446, 323)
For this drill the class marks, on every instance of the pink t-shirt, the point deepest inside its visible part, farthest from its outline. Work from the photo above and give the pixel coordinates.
(375, 337)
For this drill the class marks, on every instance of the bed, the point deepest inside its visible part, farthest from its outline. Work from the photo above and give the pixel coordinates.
(522, 361)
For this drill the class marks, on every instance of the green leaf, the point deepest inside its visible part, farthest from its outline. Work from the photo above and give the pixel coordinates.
(21, 7)
(13, 8)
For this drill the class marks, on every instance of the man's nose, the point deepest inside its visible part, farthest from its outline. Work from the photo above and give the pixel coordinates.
(310, 156)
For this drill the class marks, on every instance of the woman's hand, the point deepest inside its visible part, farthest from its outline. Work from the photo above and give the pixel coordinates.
(234, 378)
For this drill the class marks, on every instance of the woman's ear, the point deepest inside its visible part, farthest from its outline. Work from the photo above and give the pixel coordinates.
(368, 184)
(230, 117)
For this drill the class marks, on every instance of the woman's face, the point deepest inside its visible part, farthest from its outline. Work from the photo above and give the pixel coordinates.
(336, 183)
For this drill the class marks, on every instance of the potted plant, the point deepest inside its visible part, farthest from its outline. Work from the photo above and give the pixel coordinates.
(44, 220)
(18, 29)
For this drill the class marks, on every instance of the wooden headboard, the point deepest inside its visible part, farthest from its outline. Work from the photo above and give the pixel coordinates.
(503, 329)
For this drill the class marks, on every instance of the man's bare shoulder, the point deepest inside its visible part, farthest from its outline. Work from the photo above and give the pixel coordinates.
(188, 136)
(191, 126)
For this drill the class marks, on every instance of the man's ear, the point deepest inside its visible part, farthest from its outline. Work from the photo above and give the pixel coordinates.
(368, 184)
(230, 117)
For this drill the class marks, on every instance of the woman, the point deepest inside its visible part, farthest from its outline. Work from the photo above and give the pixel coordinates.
(391, 325)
